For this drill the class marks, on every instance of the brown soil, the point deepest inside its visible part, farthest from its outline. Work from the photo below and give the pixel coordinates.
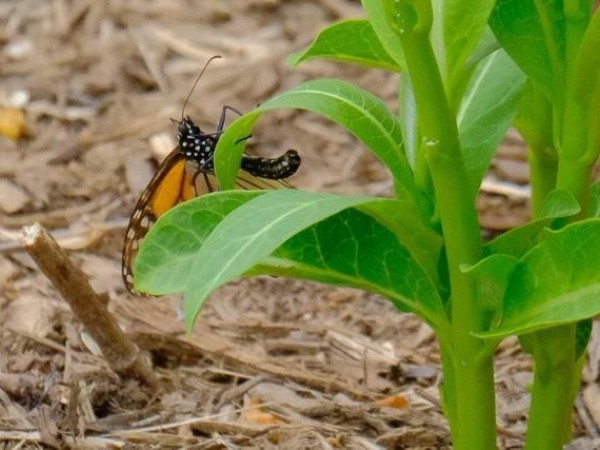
(272, 363)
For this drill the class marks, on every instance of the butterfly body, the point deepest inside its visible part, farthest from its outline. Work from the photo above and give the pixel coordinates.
(188, 172)
(195, 145)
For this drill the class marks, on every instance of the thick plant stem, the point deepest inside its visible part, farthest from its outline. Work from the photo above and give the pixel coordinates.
(476, 410)
(448, 387)
(471, 404)
(542, 178)
(575, 177)
(549, 425)
(554, 349)
(536, 128)
(550, 414)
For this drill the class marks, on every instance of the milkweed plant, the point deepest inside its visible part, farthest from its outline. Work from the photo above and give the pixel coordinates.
(468, 71)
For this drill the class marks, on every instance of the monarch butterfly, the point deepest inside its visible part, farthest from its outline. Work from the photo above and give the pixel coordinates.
(188, 172)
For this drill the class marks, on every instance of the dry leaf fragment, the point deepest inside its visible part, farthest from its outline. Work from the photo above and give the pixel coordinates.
(12, 123)
(397, 401)
(13, 197)
(253, 413)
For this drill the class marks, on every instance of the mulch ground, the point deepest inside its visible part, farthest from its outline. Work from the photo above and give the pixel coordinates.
(272, 363)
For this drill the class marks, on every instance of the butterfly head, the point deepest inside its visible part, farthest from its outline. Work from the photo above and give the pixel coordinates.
(194, 144)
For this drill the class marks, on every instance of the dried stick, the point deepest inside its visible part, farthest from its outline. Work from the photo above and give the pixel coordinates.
(122, 354)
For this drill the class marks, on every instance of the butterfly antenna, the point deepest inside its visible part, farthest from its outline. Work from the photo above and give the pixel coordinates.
(195, 83)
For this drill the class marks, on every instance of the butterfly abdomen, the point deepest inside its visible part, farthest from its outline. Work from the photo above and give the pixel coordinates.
(273, 168)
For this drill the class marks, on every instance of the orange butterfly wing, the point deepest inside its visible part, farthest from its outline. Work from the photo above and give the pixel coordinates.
(176, 180)
(171, 185)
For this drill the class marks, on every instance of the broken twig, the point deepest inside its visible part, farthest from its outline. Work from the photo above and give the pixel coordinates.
(122, 354)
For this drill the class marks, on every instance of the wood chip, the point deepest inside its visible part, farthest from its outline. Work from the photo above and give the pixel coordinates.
(13, 197)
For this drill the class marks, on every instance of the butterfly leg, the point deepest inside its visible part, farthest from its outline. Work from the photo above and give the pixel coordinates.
(221, 125)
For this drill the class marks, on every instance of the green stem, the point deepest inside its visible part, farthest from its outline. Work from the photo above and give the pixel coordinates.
(536, 125)
(542, 163)
(471, 404)
(575, 177)
(475, 408)
(554, 349)
(448, 387)
(551, 400)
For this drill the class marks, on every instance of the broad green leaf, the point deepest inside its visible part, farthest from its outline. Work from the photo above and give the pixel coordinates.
(487, 45)
(351, 41)
(487, 110)
(457, 29)
(353, 249)
(252, 232)
(180, 233)
(556, 283)
(559, 203)
(534, 38)
(402, 217)
(163, 263)
(360, 112)
(461, 77)
(388, 37)
(492, 274)
(518, 241)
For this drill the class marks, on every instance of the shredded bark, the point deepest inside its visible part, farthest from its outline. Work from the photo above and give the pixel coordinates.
(272, 363)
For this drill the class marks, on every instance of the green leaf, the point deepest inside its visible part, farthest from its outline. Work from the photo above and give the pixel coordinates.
(360, 112)
(518, 241)
(402, 218)
(457, 29)
(378, 18)
(413, 231)
(557, 282)
(559, 203)
(251, 233)
(486, 112)
(353, 249)
(492, 274)
(534, 38)
(351, 41)
(164, 260)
